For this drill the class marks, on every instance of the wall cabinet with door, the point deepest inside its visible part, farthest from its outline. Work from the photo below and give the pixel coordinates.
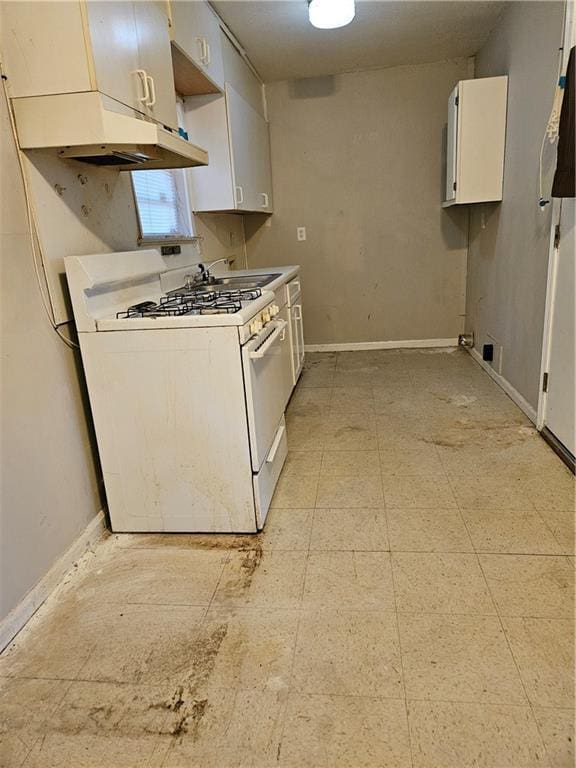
(239, 176)
(121, 49)
(196, 48)
(476, 135)
(234, 130)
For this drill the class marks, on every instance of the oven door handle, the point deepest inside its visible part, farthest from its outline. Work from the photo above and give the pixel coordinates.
(275, 445)
(280, 330)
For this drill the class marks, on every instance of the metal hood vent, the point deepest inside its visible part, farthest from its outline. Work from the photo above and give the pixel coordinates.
(92, 128)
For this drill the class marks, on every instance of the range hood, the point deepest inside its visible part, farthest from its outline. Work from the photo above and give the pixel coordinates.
(95, 129)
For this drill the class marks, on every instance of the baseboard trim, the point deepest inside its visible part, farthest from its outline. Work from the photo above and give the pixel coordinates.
(367, 345)
(512, 393)
(23, 612)
(559, 449)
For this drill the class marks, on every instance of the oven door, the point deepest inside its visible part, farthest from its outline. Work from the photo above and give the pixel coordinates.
(263, 360)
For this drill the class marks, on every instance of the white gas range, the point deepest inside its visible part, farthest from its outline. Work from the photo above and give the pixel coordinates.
(188, 384)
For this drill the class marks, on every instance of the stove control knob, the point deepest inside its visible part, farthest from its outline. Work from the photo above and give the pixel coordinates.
(266, 315)
(274, 310)
(257, 326)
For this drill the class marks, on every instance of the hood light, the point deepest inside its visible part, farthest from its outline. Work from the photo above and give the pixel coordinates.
(330, 14)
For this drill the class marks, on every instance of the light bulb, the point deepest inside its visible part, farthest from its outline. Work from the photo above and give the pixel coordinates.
(330, 14)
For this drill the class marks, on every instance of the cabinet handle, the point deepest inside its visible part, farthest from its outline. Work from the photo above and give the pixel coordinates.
(144, 81)
(152, 99)
(265, 198)
(204, 50)
(239, 195)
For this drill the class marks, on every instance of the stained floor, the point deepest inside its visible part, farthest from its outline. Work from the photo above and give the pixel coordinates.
(409, 605)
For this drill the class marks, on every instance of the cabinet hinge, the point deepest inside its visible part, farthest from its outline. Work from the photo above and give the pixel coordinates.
(454, 186)
(457, 100)
(556, 235)
(545, 383)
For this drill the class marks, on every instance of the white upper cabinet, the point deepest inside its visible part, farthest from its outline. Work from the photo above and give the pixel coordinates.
(476, 136)
(239, 75)
(195, 32)
(121, 49)
(156, 61)
(115, 54)
(250, 150)
(234, 130)
(235, 135)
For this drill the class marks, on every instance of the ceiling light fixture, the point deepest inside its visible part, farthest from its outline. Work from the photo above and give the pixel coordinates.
(330, 14)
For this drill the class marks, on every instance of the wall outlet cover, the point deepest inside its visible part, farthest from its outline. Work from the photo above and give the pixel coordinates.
(301, 233)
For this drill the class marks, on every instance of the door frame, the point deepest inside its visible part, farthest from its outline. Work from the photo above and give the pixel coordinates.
(569, 41)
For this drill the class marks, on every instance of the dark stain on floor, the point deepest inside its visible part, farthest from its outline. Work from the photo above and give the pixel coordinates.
(239, 579)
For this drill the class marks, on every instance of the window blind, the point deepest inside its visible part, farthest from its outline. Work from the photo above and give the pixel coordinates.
(162, 204)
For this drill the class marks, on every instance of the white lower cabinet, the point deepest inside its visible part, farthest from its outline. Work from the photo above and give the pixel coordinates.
(288, 378)
(296, 327)
(238, 177)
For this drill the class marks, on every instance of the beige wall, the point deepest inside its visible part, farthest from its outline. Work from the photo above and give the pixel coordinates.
(48, 480)
(357, 160)
(50, 485)
(509, 242)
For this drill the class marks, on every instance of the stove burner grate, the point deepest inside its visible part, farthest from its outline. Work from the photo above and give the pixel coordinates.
(192, 303)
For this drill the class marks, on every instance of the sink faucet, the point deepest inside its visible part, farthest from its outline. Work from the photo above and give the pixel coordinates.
(203, 276)
(206, 276)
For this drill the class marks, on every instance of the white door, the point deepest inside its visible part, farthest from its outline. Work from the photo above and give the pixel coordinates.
(156, 61)
(559, 415)
(115, 52)
(243, 126)
(263, 363)
(452, 145)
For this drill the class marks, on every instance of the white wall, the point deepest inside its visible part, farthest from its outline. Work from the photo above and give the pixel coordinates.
(357, 159)
(509, 242)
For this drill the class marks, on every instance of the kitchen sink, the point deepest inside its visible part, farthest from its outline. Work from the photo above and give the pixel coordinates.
(243, 281)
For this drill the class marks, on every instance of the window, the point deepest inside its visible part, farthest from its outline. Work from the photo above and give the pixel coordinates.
(162, 204)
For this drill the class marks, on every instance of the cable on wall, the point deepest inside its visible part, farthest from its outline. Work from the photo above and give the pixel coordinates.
(35, 244)
(551, 130)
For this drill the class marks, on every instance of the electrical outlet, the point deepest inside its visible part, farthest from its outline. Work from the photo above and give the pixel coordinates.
(497, 351)
(300, 233)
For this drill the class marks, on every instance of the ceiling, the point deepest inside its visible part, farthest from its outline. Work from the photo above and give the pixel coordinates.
(283, 45)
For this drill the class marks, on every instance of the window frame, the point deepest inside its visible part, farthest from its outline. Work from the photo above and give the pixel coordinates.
(182, 189)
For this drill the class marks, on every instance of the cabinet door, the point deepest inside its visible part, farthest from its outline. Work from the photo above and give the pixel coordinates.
(112, 27)
(264, 170)
(287, 356)
(156, 60)
(296, 340)
(207, 125)
(243, 127)
(196, 31)
(452, 145)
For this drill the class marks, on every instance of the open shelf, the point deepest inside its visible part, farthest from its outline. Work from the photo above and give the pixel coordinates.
(189, 80)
